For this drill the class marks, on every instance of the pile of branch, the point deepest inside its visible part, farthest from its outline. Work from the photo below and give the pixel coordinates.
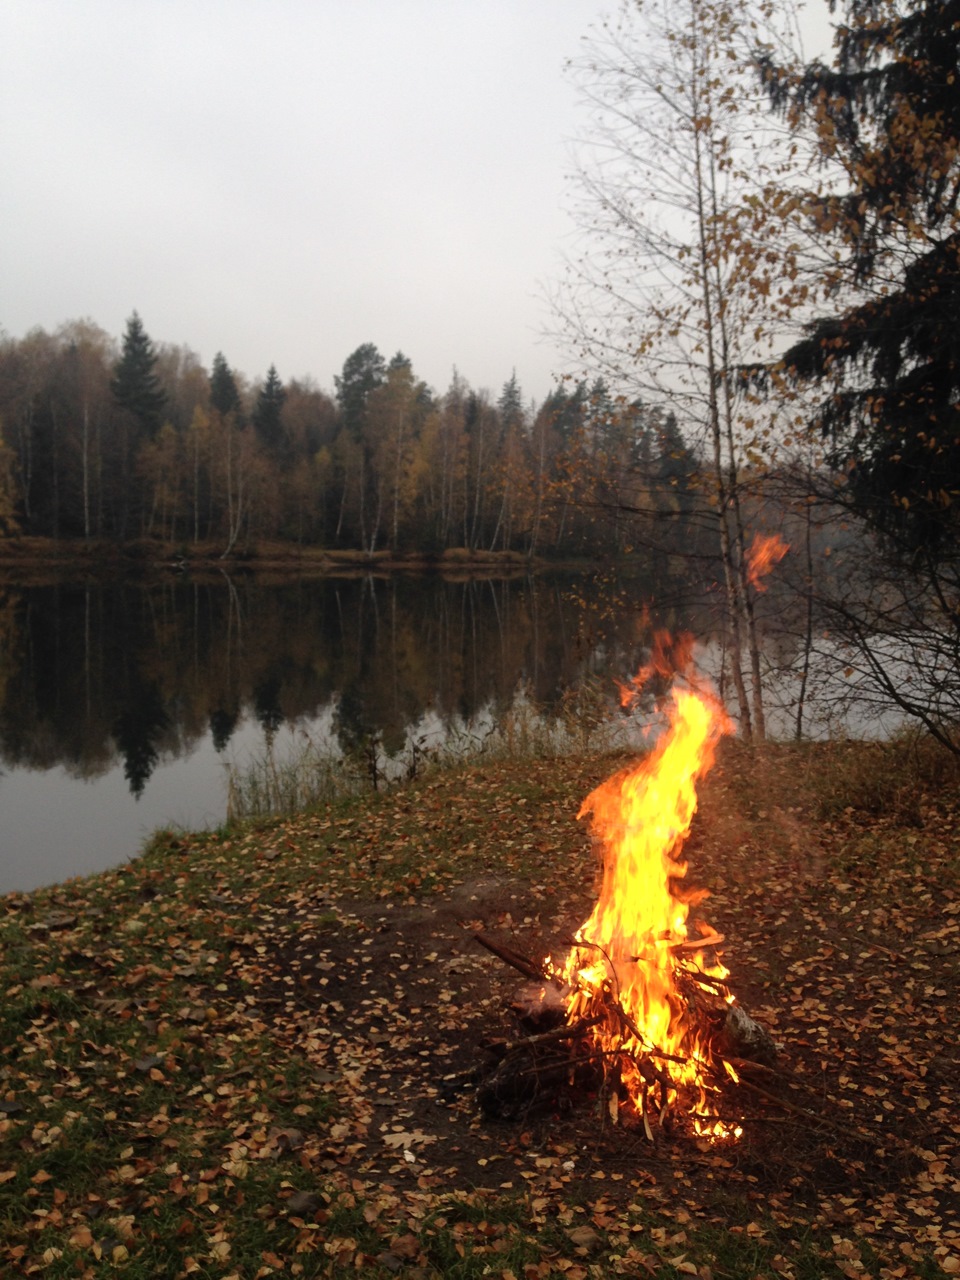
(558, 1061)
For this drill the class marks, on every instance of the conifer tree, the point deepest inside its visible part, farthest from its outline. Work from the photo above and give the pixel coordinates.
(135, 385)
(886, 361)
(224, 396)
(267, 412)
(363, 371)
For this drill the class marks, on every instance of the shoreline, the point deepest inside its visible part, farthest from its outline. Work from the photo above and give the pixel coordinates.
(20, 555)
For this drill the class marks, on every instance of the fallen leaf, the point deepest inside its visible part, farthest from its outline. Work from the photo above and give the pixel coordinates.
(585, 1237)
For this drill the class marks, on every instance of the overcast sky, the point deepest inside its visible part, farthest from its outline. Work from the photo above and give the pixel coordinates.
(284, 180)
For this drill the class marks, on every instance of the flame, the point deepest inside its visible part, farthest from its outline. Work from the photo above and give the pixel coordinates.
(670, 655)
(765, 551)
(634, 965)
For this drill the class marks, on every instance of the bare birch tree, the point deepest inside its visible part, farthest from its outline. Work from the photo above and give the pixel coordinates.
(686, 268)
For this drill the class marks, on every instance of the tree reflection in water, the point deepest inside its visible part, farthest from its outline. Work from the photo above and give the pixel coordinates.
(142, 672)
(152, 684)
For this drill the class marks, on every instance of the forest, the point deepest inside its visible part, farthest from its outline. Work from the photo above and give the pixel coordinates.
(140, 441)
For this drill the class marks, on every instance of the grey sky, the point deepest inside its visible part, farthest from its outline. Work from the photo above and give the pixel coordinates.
(283, 181)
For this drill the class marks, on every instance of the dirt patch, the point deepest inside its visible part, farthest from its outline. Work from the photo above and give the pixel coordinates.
(392, 1004)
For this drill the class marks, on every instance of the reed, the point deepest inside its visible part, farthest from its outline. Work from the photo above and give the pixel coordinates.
(314, 772)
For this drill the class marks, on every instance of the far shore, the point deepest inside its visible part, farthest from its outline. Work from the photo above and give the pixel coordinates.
(22, 556)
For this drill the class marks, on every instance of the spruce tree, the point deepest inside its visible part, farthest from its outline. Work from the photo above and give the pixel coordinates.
(886, 362)
(135, 385)
(267, 413)
(510, 404)
(224, 396)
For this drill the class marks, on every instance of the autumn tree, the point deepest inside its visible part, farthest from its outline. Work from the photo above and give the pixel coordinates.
(558, 438)
(87, 360)
(160, 466)
(184, 382)
(407, 401)
(682, 273)
(310, 426)
(25, 375)
(210, 441)
(481, 426)
(363, 371)
(550, 424)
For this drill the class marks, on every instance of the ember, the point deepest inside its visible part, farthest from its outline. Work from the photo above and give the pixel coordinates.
(766, 551)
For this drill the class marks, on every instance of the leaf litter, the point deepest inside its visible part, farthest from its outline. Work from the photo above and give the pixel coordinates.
(250, 1053)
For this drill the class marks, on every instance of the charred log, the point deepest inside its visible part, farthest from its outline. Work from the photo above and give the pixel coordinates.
(538, 1072)
(742, 1037)
(516, 959)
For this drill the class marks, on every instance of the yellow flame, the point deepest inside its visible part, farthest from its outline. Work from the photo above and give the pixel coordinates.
(628, 954)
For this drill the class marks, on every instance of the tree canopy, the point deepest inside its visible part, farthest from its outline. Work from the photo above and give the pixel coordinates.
(886, 360)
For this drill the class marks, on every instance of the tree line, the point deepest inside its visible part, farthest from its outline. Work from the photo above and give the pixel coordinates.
(141, 441)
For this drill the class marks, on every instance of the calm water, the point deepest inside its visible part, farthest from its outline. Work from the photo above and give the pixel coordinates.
(122, 704)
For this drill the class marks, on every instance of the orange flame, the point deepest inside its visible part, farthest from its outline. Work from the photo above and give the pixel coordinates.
(670, 655)
(765, 551)
(634, 963)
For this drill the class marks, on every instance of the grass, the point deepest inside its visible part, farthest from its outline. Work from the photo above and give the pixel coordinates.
(886, 778)
(312, 773)
(165, 1111)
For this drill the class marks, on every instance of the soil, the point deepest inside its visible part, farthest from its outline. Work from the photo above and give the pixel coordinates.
(393, 1003)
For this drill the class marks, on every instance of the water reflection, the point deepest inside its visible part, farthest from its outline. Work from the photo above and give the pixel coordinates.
(120, 702)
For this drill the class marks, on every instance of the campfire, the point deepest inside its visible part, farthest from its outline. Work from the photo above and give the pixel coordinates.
(638, 1012)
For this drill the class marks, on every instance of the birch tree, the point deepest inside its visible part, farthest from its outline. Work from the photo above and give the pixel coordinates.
(684, 272)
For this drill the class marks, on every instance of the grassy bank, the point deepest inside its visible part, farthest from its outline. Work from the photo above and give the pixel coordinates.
(243, 1054)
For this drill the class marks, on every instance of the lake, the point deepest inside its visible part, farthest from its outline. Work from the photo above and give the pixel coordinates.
(125, 704)
(122, 704)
